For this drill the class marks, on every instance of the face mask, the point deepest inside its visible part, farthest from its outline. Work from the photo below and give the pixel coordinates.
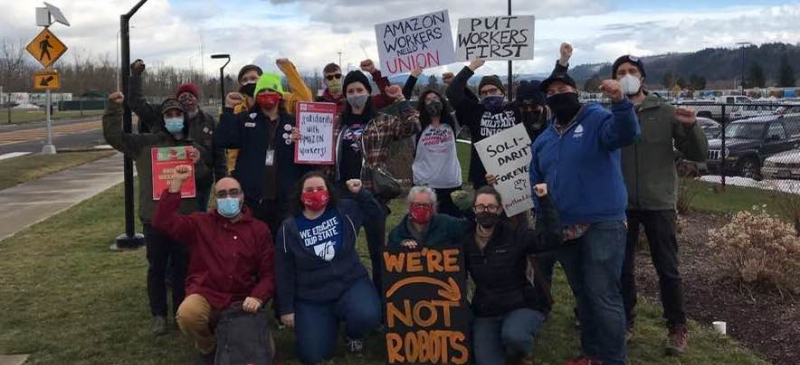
(248, 89)
(493, 103)
(357, 101)
(630, 85)
(565, 106)
(315, 200)
(335, 86)
(174, 125)
(487, 220)
(268, 100)
(434, 108)
(532, 119)
(420, 214)
(229, 207)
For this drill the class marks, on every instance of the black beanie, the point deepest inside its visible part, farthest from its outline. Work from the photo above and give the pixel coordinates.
(491, 80)
(356, 76)
(247, 69)
(636, 61)
(529, 91)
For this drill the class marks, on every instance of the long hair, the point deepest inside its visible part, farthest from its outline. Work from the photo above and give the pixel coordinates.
(425, 118)
(297, 204)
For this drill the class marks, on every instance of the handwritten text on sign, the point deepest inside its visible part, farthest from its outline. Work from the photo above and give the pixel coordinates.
(317, 141)
(420, 41)
(164, 160)
(495, 38)
(427, 316)
(507, 155)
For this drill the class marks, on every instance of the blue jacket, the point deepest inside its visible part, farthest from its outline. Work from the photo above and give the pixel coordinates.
(300, 274)
(582, 167)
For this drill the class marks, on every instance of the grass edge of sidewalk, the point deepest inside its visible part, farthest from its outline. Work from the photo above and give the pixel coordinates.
(22, 169)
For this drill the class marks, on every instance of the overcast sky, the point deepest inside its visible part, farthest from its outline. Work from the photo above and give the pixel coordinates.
(311, 32)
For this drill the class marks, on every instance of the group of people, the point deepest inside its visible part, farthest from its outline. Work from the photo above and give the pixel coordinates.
(286, 233)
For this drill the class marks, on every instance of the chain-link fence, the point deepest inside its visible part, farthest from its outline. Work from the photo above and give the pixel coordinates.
(753, 145)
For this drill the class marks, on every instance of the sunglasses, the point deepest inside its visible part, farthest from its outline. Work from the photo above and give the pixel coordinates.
(233, 193)
(334, 76)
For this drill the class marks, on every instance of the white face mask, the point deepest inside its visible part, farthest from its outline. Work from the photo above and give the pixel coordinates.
(630, 85)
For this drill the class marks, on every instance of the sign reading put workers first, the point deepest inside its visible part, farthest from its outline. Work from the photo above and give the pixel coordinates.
(495, 38)
(507, 156)
(427, 316)
(421, 41)
(46, 48)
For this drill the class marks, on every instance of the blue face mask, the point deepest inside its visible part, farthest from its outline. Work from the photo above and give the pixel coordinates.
(229, 207)
(493, 103)
(174, 125)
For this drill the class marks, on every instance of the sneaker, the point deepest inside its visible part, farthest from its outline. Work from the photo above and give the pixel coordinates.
(678, 340)
(583, 360)
(159, 325)
(355, 347)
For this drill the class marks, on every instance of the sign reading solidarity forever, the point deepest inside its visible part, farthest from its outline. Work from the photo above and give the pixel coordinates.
(507, 156)
(495, 38)
(46, 48)
(427, 316)
(420, 41)
(164, 161)
(316, 122)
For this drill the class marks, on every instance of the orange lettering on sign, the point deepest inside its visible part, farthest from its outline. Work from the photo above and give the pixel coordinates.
(394, 344)
(414, 262)
(451, 260)
(405, 316)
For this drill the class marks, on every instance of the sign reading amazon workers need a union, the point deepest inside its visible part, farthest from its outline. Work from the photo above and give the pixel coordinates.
(427, 316)
(421, 41)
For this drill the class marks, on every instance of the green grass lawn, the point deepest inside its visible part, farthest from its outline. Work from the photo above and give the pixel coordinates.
(28, 116)
(18, 170)
(66, 299)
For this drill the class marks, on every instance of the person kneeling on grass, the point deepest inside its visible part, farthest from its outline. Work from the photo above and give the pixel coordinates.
(231, 257)
(321, 280)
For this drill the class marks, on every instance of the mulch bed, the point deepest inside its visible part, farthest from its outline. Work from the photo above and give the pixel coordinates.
(761, 319)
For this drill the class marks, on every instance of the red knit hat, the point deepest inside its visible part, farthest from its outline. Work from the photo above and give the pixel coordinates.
(188, 88)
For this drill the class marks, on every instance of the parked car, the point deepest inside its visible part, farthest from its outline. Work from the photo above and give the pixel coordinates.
(785, 165)
(749, 142)
(713, 108)
(710, 128)
(753, 111)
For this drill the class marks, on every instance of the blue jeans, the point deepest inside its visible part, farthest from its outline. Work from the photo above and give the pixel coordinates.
(317, 323)
(495, 339)
(593, 265)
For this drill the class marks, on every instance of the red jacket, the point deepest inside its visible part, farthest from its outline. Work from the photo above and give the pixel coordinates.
(227, 261)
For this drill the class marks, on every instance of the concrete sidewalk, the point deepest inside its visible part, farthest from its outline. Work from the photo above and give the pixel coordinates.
(32, 202)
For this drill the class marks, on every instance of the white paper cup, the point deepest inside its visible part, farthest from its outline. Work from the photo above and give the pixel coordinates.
(720, 327)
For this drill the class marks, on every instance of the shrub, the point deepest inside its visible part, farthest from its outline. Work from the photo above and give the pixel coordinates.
(756, 248)
(688, 188)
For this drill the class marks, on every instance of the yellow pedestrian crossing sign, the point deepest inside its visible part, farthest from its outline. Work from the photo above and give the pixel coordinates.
(46, 48)
(46, 80)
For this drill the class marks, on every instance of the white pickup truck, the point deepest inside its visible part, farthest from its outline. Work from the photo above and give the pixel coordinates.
(712, 108)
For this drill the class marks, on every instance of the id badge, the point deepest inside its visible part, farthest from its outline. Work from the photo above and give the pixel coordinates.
(270, 157)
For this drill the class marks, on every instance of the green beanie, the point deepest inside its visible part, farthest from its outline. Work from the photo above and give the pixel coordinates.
(269, 81)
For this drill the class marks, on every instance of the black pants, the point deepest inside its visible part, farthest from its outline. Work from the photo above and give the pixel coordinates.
(659, 226)
(160, 250)
(375, 230)
(268, 211)
(445, 203)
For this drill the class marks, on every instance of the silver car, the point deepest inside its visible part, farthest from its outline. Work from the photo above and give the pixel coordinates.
(785, 165)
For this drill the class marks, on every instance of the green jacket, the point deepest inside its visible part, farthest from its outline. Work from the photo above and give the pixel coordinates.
(443, 230)
(137, 147)
(648, 166)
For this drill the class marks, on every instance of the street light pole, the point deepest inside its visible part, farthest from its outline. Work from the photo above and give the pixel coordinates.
(510, 68)
(741, 46)
(222, 75)
(130, 239)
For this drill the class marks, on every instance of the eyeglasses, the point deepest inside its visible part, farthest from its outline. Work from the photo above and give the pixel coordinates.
(422, 205)
(233, 193)
(486, 208)
(334, 76)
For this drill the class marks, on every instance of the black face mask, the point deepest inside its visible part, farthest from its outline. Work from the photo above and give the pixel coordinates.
(487, 220)
(434, 108)
(248, 90)
(532, 119)
(565, 106)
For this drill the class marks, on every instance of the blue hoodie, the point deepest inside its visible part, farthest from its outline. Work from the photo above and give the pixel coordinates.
(582, 167)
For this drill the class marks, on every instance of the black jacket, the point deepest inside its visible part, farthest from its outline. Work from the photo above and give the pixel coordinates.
(248, 132)
(499, 270)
